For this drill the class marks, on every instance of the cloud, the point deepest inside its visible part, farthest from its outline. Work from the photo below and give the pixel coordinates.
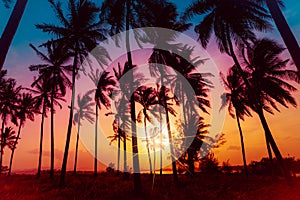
(57, 153)
(233, 148)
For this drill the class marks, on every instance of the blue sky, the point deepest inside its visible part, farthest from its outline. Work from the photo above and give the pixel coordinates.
(38, 11)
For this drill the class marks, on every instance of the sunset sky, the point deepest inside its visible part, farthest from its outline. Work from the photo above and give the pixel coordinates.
(285, 126)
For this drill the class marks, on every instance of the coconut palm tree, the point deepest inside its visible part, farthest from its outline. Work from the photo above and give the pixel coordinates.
(147, 97)
(11, 28)
(284, 29)
(104, 84)
(7, 139)
(8, 105)
(195, 137)
(232, 22)
(55, 69)
(80, 31)
(122, 15)
(83, 112)
(268, 79)
(42, 103)
(26, 110)
(236, 99)
(119, 135)
(123, 108)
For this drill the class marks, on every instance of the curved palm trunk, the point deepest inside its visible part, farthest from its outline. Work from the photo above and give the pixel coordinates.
(136, 162)
(76, 149)
(147, 143)
(273, 144)
(285, 31)
(66, 152)
(52, 135)
(269, 137)
(242, 143)
(41, 141)
(10, 29)
(14, 148)
(1, 145)
(96, 144)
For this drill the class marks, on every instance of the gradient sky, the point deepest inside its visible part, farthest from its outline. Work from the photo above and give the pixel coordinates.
(285, 126)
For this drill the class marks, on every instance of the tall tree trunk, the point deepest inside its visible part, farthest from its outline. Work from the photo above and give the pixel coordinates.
(76, 148)
(126, 173)
(119, 146)
(175, 176)
(10, 29)
(161, 142)
(273, 144)
(41, 141)
(1, 145)
(69, 132)
(96, 144)
(135, 153)
(285, 31)
(147, 142)
(269, 149)
(52, 135)
(242, 143)
(14, 148)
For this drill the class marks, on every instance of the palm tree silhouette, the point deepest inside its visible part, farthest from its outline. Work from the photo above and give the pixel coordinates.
(196, 136)
(236, 99)
(8, 104)
(122, 15)
(42, 103)
(268, 76)
(84, 111)
(219, 19)
(80, 32)
(123, 108)
(7, 139)
(147, 97)
(120, 135)
(26, 110)
(56, 71)
(105, 84)
(11, 28)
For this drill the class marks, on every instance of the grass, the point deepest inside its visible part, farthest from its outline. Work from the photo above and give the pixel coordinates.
(108, 186)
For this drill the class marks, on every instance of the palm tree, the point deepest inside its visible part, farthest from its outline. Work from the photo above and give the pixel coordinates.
(163, 98)
(80, 32)
(10, 29)
(147, 97)
(122, 109)
(26, 110)
(268, 76)
(236, 99)
(55, 70)
(84, 111)
(195, 136)
(104, 84)
(229, 20)
(284, 29)
(119, 135)
(42, 103)
(122, 15)
(8, 105)
(7, 139)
